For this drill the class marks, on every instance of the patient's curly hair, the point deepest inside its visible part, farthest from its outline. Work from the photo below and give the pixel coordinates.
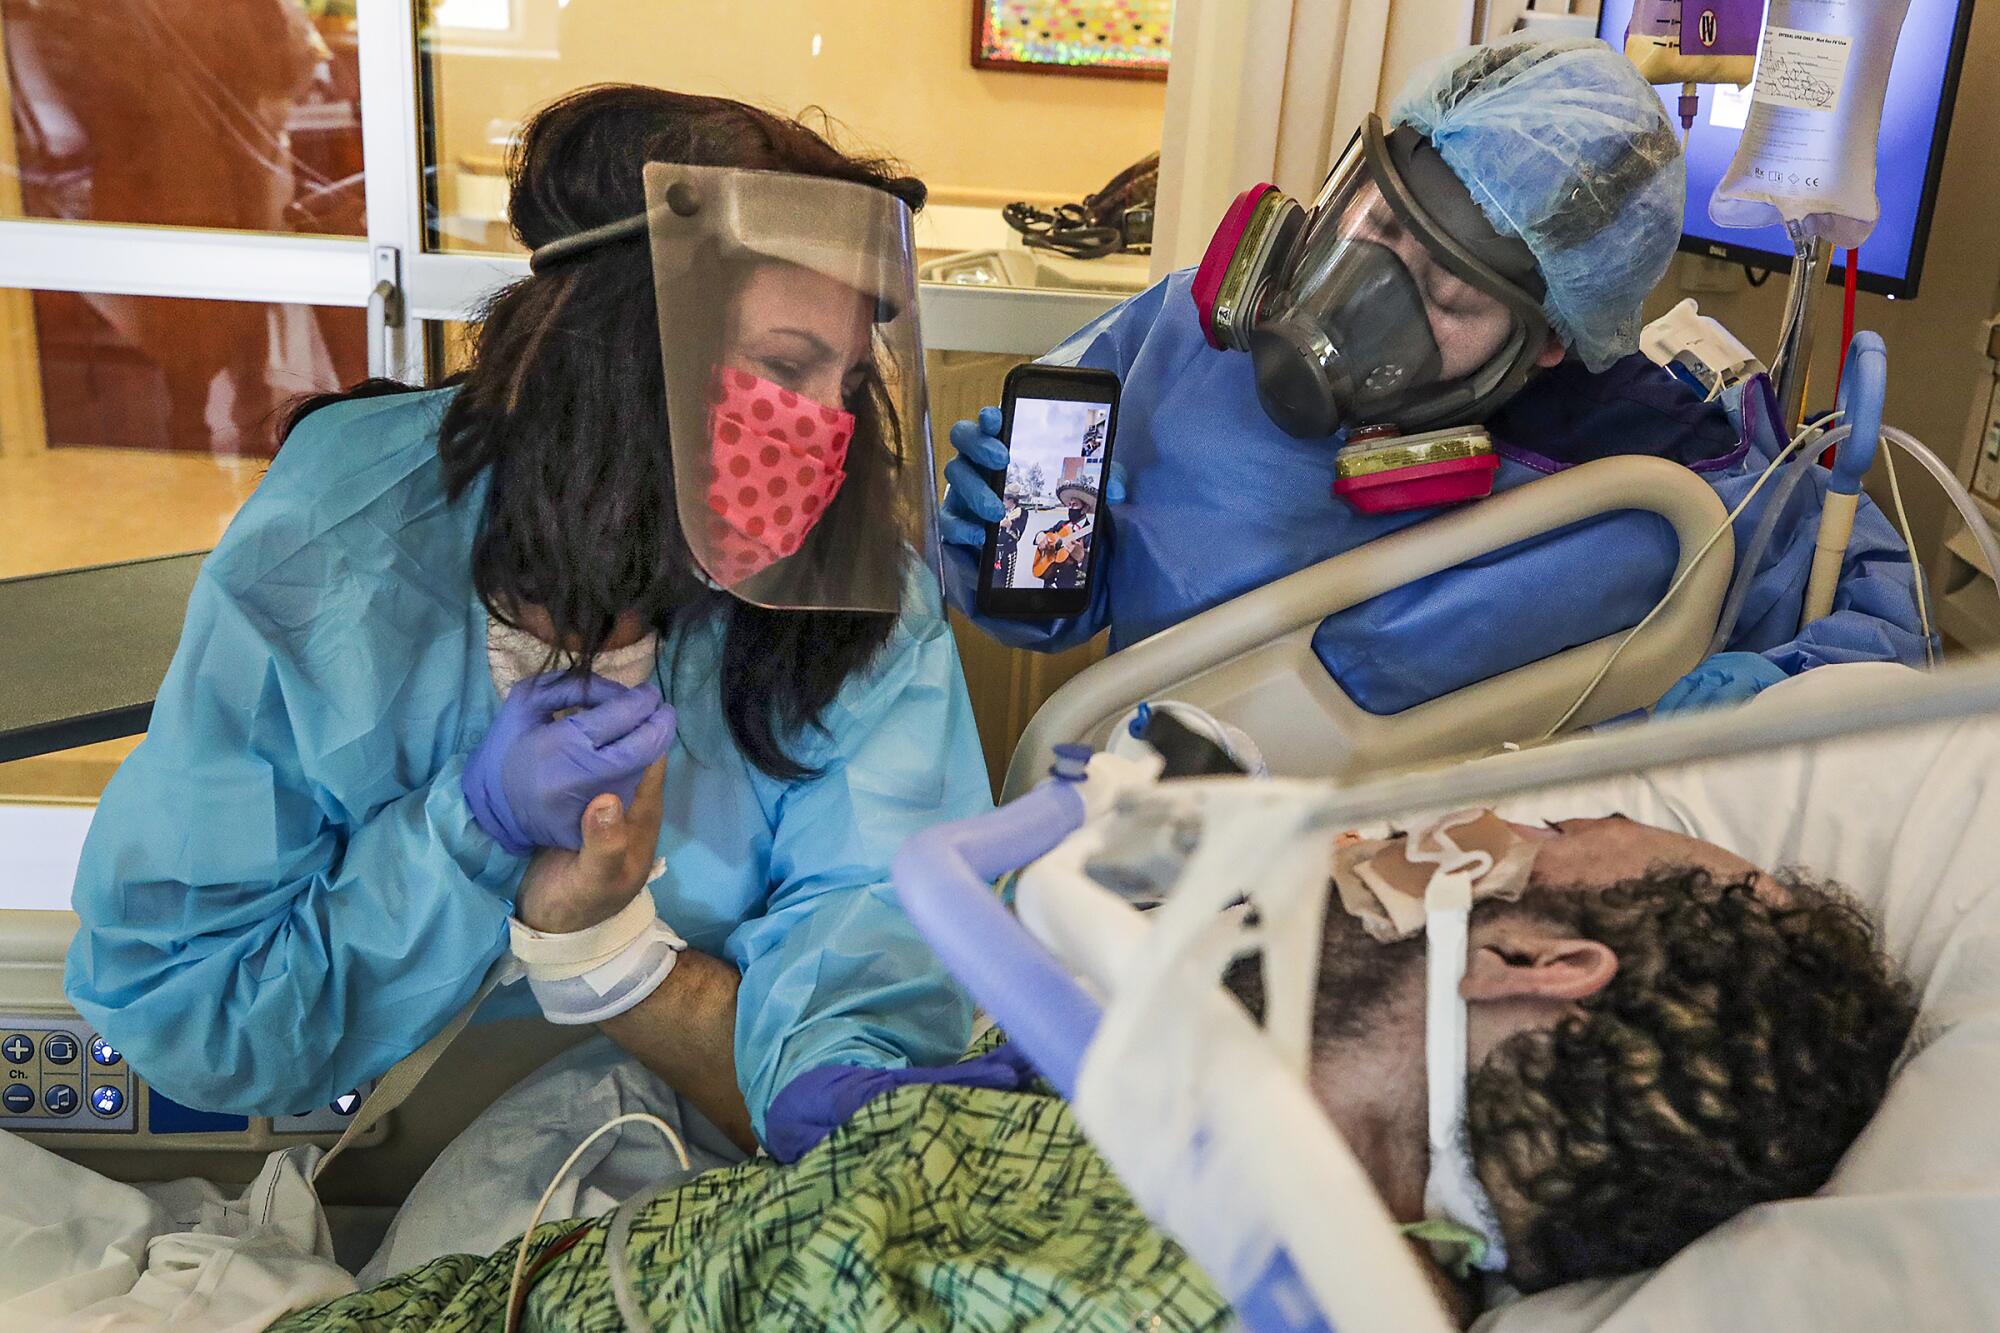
(1741, 1047)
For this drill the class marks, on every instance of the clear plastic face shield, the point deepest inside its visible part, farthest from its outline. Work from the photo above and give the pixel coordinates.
(800, 438)
(1392, 301)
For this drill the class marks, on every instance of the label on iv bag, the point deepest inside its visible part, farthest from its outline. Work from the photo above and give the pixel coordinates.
(1791, 146)
(1807, 151)
(1802, 70)
(1729, 108)
(1694, 41)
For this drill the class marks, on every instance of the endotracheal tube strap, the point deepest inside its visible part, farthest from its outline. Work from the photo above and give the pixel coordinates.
(1452, 1193)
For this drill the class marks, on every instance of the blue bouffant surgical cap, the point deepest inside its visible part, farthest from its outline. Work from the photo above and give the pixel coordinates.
(1565, 146)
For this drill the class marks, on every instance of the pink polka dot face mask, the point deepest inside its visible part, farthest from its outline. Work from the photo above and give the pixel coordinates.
(779, 458)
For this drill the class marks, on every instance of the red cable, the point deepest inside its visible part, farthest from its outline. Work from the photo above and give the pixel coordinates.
(542, 1261)
(1847, 312)
(1846, 330)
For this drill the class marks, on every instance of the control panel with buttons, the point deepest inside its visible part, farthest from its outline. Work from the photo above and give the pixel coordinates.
(65, 1085)
(56, 1074)
(329, 1119)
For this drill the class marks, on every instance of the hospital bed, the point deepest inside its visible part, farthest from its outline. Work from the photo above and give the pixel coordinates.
(1905, 818)
(1250, 662)
(1870, 775)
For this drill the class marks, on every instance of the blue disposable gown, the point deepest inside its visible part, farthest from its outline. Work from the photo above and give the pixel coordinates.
(1220, 501)
(283, 892)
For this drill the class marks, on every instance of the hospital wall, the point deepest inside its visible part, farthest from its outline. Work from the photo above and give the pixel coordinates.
(896, 74)
(1936, 342)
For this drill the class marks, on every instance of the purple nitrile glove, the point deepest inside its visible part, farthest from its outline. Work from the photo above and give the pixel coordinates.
(821, 1100)
(531, 777)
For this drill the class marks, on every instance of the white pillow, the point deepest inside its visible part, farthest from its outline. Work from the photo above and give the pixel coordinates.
(1907, 1233)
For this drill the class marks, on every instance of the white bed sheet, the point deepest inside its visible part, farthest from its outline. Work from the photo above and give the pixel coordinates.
(83, 1254)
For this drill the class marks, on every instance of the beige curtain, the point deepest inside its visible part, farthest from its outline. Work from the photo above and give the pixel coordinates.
(1270, 90)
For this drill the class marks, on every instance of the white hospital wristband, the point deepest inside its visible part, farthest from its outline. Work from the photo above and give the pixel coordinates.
(587, 976)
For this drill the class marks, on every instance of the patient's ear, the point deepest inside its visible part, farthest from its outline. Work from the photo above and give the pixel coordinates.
(1553, 351)
(1526, 967)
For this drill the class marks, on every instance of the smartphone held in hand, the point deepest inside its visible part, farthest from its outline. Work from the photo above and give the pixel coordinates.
(1058, 423)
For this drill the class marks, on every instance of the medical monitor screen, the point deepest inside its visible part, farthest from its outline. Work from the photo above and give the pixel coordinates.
(1916, 115)
(1055, 479)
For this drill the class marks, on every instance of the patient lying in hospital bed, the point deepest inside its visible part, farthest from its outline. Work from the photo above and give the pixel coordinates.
(1662, 1037)
(945, 1206)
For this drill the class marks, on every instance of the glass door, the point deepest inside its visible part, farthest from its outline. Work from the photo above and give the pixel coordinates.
(189, 202)
(184, 249)
(895, 78)
(208, 210)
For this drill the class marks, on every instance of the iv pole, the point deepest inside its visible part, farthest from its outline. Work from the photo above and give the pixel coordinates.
(1795, 344)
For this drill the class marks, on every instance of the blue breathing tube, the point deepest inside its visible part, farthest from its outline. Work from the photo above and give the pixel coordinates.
(1864, 384)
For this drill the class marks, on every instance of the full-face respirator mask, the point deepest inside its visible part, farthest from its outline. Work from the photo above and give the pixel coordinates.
(1389, 308)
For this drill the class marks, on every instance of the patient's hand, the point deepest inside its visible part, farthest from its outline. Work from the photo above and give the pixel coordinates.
(566, 891)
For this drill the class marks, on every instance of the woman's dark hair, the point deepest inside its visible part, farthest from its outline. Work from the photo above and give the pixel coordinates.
(565, 405)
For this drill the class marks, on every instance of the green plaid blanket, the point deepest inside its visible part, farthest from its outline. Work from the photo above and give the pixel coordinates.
(933, 1208)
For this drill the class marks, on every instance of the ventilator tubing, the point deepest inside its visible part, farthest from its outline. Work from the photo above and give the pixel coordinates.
(1836, 526)
(1751, 558)
(1968, 509)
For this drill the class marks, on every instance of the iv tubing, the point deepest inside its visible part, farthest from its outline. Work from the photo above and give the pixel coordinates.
(1751, 557)
(1916, 570)
(1673, 588)
(1975, 522)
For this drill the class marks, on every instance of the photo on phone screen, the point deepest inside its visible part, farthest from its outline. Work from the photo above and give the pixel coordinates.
(1054, 485)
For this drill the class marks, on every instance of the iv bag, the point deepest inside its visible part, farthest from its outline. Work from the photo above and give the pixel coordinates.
(1694, 41)
(1807, 154)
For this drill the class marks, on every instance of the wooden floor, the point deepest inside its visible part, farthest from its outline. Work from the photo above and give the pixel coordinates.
(65, 508)
(68, 507)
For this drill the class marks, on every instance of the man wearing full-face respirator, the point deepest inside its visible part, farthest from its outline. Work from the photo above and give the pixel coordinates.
(1480, 259)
